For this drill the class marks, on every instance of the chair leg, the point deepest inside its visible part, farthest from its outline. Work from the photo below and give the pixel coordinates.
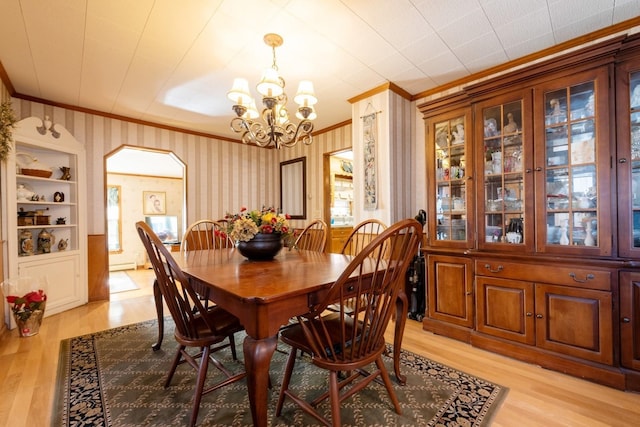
(387, 383)
(157, 297)
(334, 397)
(202, 376)
(291, 360)
(176, 362)
(232, 343)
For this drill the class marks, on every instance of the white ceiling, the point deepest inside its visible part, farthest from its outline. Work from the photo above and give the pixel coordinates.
(172, 62)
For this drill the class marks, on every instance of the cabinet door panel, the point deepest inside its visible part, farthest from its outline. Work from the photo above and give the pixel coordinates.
(572, 165)
(63, 280)
(628, 146)
(576, 322)
(630, 319)
(450, 209)
(505, 309)
(450, 290)
(505, 198)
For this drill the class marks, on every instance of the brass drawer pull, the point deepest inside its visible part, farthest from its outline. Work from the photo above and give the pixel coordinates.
(498, 270)
(589, 277)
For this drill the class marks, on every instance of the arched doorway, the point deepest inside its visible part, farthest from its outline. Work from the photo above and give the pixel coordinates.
(141, 184)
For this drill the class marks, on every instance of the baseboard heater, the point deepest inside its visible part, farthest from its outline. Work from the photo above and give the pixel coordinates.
(123, 266)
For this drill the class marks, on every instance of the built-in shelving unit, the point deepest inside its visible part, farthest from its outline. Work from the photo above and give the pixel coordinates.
(45, 211)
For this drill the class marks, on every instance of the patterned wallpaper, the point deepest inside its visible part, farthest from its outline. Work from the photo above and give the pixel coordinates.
(221, 175)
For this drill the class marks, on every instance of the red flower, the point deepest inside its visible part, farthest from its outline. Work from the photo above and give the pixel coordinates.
(25, 305)
(266, 228)
(34, 296)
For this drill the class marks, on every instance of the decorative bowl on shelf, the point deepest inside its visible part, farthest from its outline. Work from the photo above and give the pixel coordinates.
(37, 172)
(33, 167)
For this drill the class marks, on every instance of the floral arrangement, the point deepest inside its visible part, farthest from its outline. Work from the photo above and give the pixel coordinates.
(24, 306)
(243, 226)
(7, 123)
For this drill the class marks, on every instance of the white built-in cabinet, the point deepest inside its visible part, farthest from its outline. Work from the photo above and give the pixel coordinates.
(32, 203)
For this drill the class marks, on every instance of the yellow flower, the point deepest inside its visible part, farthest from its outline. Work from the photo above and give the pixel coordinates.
(244, 225)
(268, 217)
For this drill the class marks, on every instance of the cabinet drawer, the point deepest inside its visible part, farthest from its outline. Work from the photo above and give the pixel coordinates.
(340, 232)
(338, 238)
(578, 276)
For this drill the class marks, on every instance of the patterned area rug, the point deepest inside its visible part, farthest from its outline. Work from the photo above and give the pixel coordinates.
(114, 379)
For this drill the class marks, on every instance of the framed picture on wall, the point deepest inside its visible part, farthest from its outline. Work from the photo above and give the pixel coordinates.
(154, 202)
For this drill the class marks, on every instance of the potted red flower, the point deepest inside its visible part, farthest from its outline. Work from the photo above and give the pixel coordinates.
(28, 309)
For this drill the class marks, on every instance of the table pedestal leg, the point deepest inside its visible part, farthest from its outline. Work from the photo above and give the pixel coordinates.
(257, 359)
(402, 308)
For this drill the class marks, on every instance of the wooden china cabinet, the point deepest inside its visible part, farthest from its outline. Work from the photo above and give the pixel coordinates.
(533, 250)
(628, 179)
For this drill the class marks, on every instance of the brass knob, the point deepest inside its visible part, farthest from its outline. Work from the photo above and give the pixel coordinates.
(539, 316)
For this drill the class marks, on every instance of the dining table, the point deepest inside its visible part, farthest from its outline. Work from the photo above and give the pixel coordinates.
(265, 295)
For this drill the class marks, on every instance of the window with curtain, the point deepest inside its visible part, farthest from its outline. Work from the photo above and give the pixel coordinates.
(114, 219)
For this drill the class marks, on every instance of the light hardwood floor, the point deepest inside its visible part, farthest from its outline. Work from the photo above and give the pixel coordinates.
(536, 397)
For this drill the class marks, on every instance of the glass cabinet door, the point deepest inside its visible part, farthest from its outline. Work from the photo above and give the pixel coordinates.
(574, 203)
(501, 213)
(449, 193)
(628, 116)
(634, 106)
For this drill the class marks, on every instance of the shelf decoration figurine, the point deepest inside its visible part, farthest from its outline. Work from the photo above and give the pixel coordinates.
(66, 173)
(7, 123)
(26, 243)
(45, 241)
(511, 126)
(62, 244)
(564, 238)
(588, 239)
(23, 193)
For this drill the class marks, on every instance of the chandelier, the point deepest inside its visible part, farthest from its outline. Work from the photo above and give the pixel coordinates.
(274, 128)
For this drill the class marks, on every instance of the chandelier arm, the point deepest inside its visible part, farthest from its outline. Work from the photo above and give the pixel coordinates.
(260, 135)
(300, 133)
(239, 125)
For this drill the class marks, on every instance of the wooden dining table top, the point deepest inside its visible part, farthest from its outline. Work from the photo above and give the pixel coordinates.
(264, 294)
(291, 272)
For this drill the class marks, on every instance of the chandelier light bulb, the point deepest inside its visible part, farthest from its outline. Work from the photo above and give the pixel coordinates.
(239, 92)
(306, 96)
(252, 111)
(271, 84)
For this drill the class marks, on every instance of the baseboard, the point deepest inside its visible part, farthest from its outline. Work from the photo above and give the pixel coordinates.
(123, 266)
